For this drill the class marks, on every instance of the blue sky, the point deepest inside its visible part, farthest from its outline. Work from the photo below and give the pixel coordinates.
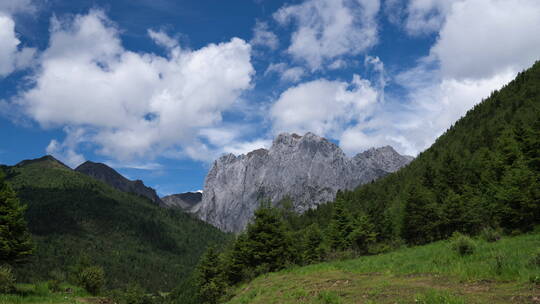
(158, 88)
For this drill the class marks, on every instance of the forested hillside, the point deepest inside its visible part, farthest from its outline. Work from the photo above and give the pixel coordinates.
(481, 176)
(77, 221)
(483, 172)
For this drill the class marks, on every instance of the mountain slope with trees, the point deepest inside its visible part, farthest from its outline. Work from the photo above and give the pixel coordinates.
(77, 221)
(481, 177)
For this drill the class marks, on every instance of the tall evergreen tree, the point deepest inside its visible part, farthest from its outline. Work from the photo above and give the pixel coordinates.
(15, 241)
(363, 234)
(340, 227)
(313, 250)
(210, 280)
(421, 219)
(267, 242)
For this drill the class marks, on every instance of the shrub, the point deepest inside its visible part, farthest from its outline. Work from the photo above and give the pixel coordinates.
(56, 279)
(7, 279)
(489, 234)
(535, 260)
(133, 294)
(462, 244)
(535, 279)
(92, 279)
(499, 263)
(329, 297)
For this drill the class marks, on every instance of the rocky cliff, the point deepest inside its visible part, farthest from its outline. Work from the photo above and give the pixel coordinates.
(308, 169)
(109, 176)
(184, 201)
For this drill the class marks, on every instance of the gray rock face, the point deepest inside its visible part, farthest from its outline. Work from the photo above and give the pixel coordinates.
(184, 201)
(114, 179)
(308, 169)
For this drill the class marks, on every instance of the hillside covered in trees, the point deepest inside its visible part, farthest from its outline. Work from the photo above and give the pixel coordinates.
(77, 221)
(481, 177)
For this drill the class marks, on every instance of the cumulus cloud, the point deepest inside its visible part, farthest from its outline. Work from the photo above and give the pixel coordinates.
(471, 57)
(132, 104)
(500, 40)
(263, 36)
(328, 29)
(323, 106)
(12, 56)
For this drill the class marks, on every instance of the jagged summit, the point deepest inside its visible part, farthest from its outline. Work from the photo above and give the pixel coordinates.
(309, 169)
(109, 176)
(184, 201)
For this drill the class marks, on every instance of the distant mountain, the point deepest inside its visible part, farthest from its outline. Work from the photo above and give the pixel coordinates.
(109, 176)
(307, 169)
(76, 219)
(184, 201)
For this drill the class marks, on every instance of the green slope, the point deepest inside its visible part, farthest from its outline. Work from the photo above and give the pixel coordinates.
(484, 171)
(77, 220)
(431, 274)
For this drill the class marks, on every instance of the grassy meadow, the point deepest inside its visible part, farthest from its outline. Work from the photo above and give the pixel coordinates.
(498, 272)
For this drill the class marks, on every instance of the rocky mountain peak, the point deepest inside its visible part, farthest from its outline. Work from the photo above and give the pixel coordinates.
(309, 169)
(184, 201)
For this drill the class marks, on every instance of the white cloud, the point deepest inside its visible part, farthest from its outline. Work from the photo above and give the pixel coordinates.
(286, 73)
(328, 29)
(418, 17)
(12, 56)
(133, 104)
(482, 38)
(472, 57)
(66, 151)
(17, 6)
(337, 64)
(263, 36)
(161, 38)
(322, 106)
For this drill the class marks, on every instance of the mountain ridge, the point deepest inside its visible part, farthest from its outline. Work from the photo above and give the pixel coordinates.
(308, 169)
(111, 177)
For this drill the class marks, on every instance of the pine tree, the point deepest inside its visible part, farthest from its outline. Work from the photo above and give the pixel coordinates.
(363, 234)
(210, 279)
(313, 250)
(421, 219)
(340, 227)
(267, 244)
(15, 241)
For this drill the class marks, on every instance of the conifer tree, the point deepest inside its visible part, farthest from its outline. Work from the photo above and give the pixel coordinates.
(15, 241)
(363, 234)
(421, 217)
(210, 280)
(313, 250)
(340, 227)
(267, 243)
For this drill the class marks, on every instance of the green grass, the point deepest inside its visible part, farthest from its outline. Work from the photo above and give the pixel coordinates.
(497, 272)
(40, 294)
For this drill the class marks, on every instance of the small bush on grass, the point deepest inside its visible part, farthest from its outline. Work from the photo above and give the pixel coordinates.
(535, 260)
(329, 297)
(92, 279)
(489, 234)
(7, 279)
(462, 244)
(56, 279)
(133, 294)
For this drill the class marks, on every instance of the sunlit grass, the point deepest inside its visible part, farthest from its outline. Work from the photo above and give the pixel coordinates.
(494, 273)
